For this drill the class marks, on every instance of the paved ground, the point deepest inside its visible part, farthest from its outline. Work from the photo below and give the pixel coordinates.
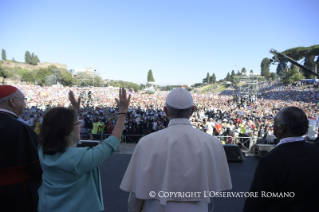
(115, 200)
(126, 148)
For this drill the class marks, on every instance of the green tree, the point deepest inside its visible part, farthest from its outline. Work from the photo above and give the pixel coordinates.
(98, 81)
(150, 77)
(124, 84)
(273, 76)
(310, 64)
(238, 73)
(5, 72)
(16, 78)
(292, 75)
(135, 86)
(66, 78)
(142, 86)
(28, 76)
(4, 57)
(27, 57)
(33, 59)
(40, 75)
(204, 80)
(281, 68)
(300, 52)
(243, 71)
(213, 78)
(36, 59)
(228, 77)
(207, 78)
(232, 75)
(265, 64)
(251, 72)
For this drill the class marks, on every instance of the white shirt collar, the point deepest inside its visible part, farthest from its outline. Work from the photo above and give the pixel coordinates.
(7, 111)
(290, 139)
(179, 121)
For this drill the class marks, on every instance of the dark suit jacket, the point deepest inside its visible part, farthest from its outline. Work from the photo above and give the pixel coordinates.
(18, 152)
(290, 167)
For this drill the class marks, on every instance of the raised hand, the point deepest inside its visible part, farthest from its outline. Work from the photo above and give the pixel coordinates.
(123, 101)
(75, 104)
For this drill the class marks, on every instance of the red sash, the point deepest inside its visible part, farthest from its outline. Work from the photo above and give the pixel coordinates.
(13, 176)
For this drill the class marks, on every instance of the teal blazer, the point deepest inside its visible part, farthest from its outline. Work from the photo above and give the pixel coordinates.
(71, 180)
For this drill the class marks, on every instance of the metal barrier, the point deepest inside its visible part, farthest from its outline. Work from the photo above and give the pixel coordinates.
(243, 141)
(129, 141)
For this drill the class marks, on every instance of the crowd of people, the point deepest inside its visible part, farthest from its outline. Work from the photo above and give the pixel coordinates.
(221, 114)
(46, 173)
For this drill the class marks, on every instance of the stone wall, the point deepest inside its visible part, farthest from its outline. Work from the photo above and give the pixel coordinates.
(31, 67)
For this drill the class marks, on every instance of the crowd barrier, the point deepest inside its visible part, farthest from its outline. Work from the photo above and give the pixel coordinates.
(245, 143)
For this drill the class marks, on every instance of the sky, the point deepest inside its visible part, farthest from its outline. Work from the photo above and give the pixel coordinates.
(180, 40)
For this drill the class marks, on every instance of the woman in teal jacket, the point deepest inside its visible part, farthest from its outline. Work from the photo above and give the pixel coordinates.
(71, 176)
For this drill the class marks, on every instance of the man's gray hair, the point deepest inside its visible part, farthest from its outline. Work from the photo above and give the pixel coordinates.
(295, 120)
(4, 99)
(178, 113)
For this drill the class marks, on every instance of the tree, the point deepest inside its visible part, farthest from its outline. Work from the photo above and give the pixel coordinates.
(5, 72)
(297, 53)
(150, 77)
(207, 78)
(281, 67)
(37, 59)
(27, 57)
(33, 59)
(265, 64)
(273, 76)
(251, 72)
(292, 75)
(124, 84)
(16, 78)
(238, 73)
(4, 57)
(310, 64)
(142, 86)
(136, 87)
(243, 71)
(40, 75)
(28, 76)
(300, 52)
(213, 78)
(232, 75)
(66, 78)
(228, 77)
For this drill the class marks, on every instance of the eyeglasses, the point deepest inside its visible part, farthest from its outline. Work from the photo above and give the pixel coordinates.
(78, 123)
(24, 98)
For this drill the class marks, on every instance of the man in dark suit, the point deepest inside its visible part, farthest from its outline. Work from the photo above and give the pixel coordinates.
(20, 169)
(286, 179)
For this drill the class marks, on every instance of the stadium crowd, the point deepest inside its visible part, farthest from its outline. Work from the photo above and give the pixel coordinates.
(220, 114)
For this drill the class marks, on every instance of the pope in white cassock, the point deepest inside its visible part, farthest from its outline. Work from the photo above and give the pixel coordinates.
(171, 169)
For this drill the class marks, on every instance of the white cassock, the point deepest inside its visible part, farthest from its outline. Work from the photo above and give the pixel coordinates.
(177, 159)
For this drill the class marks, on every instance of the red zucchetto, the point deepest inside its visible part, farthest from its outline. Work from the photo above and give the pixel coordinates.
(6, 90)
